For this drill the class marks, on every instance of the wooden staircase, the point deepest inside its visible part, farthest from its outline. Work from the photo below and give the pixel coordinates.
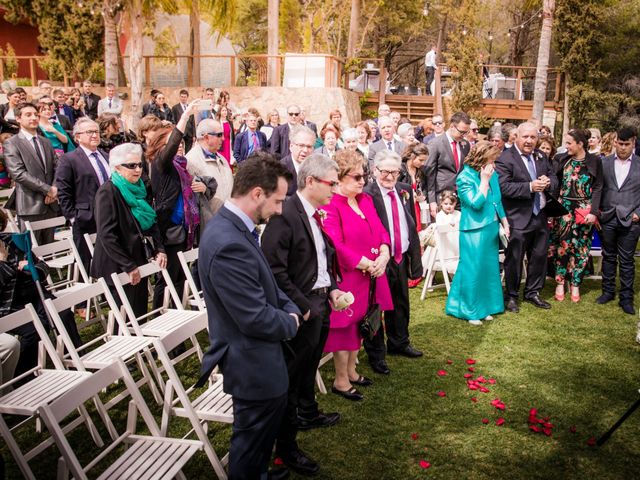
(414, 107)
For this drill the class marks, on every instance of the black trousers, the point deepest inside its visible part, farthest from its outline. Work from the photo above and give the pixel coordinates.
(175, 273)
(45, 236)
(81, 245)
(531, 241)
(430, 73)
(303, 354)
(396, 321)
(255, 426)
(618, 248)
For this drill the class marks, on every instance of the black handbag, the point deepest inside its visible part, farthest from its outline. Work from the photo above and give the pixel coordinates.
(149, 252)
(372, 320)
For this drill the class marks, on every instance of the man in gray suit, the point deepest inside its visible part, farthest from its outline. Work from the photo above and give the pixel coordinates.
(620, 219)
(446, 159)
(387, 130)
(30, 160)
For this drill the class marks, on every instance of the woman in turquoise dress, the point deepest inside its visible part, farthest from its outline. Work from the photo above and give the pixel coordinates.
(54, 132)
(476, 292)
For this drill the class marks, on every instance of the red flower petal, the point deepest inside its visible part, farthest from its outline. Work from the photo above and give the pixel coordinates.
(480, 379)
(470, 361)
(442, 394)
(278, 461)
(492, 381)
(485, 420)
(484, 389)
(547, 431)
(533, 412)
(414, 436)
(500, 421)
(592, 442)
(442, 373)
(474, 399)
(573, 429)
(468, 375)
(424, 464)
(535, 428)
(471, 369)
(547, 425)
(473, 386)
(449, 362)
(546, 419)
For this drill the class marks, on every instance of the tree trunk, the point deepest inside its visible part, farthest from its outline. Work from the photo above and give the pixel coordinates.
(136, 68)
(565, 107)
(540, 88)
(273, 39)
(194, 43)
(438, 86)
(354, 26)
(110, 44)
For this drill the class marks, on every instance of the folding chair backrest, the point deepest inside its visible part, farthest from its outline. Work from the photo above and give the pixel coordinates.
(448, 242)
(61, 248)
(44, 224)
(191, 289)
(190, 329)
(90, 240)
(122, 279)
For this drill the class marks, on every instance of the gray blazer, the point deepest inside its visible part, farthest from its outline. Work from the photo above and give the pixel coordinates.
(620, 202)
(381, 144)
(33, 179)
(440, 168)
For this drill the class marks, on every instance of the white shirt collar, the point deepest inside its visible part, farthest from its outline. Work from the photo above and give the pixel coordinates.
(87, 151)
(233, 208)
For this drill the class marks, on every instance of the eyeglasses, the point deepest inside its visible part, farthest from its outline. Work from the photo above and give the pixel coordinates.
(326, 182)
(132, 166)
(90, 132)
(385, 173)
(294, 114)
(303, 145)
(216, 134)
(463, 132)
(356, 176)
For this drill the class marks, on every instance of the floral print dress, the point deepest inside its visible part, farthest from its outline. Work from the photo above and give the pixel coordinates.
(570, 242)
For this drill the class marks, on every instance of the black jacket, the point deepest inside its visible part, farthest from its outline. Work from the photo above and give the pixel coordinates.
(165, 181)
(594, 168)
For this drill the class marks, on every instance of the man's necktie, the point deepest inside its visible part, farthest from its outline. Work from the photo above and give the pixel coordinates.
(532, 173)
(109, 103)
(38, 152)
(103, 171)
(253, 146)
(256, 235)
(456, 159)
(390, 146)
(397, 237)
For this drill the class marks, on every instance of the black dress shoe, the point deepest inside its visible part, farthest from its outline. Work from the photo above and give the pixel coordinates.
(512, 305)
(279, 473)
(321, 420)
(407, 351)
(538, 302)
(351, 394)
(362, 381)
(300, 462)
(628, 308)
(380, 367)
(605, 298)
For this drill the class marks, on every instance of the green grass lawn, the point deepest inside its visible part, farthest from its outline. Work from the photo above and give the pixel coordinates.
(577, 364)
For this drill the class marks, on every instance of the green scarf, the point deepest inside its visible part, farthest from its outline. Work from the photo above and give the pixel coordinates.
(135, 195)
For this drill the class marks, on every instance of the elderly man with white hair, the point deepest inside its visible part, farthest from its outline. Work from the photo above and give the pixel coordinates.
(387, 142)
(203, 160)
(395, 206)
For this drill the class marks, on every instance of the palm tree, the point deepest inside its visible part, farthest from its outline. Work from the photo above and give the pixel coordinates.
(540, 87)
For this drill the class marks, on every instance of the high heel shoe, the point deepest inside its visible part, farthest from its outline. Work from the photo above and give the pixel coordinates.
(559, 296)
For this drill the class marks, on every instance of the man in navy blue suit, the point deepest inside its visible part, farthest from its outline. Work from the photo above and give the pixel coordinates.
(249, 316)
(249, 141)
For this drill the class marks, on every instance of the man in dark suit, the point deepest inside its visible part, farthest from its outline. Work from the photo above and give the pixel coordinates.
(446, 159)
(620, 219)
(387, 129)
(249, 141)
(525, 179)
(280, 138)
(303, 121)
(61, 107)
(190, 130)
(30, 160)
(394, 204)
(301, 146)
(78, 176)
(249, 316)
(302, 259)
(90, 100)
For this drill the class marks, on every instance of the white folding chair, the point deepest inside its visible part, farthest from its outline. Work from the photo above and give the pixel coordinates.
(144, 457)
(212, 405)
(90, 240)
(106, 347)
(192, 296)
(59, 223)
(319, 380)
(443, 257)
(44, 388)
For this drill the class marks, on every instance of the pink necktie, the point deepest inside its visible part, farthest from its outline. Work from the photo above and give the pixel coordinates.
(397, 237)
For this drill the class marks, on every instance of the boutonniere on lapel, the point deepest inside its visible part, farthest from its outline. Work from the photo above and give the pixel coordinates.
(405, 196)
(323, 215)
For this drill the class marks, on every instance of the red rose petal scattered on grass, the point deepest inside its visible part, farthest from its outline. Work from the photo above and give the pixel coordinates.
(473, 386)
(442, 393)
(449, 362)
(468, 375)
(414, 436)
(474, 399)
(573, 429)
(278, 461)
(492, 381)
(485, 420)
(547, 431)
(442, 373)
(471, 369)
(499, 404)
(500, 421)
(481, 379)
(533, 412)
(484, 389)
(592, 442)
(535, 428)
(424, 464)
(470, 361)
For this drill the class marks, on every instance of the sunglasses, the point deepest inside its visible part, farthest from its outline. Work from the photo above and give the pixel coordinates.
(293, 114)
(326, 182)
(356, 176)
(132, 166)
(216, 134)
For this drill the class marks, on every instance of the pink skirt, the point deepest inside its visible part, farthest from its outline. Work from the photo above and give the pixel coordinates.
(345, 338)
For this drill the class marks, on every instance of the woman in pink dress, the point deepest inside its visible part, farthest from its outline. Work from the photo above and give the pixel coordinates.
(224, 117)
(362, 250)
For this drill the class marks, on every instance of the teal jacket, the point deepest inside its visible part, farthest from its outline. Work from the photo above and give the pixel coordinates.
(478, 210)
